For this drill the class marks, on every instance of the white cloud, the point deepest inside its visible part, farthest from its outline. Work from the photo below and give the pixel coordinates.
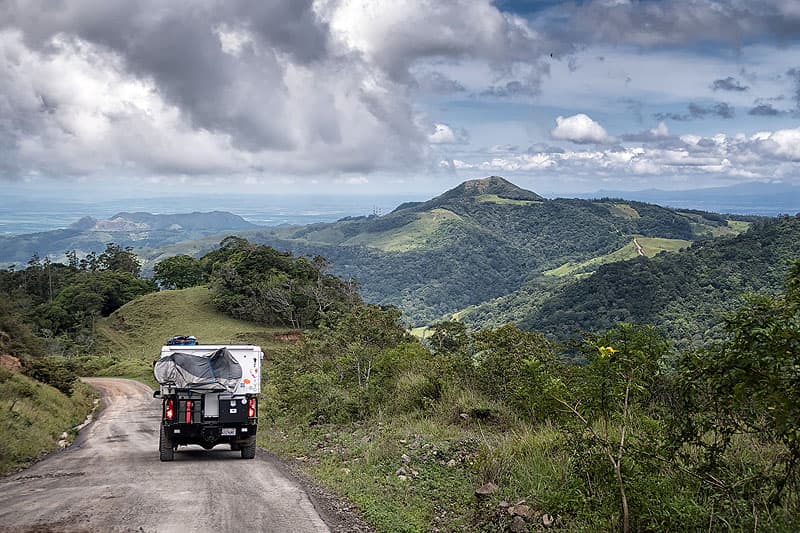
(394, 35)
(233, 40)
(764, 155)
(661, 131)
(444, 134)
(77, 110)
(782, 143)
(580, 129)
(329, 87)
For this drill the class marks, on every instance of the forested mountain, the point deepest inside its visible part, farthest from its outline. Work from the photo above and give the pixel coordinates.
(139, 230)
(485, 239)
(685, 293)
(486, 251)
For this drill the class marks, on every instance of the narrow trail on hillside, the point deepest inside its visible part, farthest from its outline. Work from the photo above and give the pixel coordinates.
(111, 479)
(639, 248)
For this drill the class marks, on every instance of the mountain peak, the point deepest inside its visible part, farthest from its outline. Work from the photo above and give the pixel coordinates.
(495, 185)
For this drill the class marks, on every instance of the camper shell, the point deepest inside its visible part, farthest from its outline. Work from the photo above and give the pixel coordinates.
(209, 396)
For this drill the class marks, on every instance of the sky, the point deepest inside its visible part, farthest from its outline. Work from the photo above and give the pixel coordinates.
(119, 98)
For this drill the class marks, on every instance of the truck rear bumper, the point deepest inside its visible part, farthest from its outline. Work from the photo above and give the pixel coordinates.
(208, 435)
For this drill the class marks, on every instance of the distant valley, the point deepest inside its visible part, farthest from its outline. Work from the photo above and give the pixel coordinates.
(765, 199)
(138, 230)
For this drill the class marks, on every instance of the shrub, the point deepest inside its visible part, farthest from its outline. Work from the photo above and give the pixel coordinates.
(55, 371)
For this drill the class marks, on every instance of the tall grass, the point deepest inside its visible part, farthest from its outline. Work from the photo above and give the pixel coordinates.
(34, 415)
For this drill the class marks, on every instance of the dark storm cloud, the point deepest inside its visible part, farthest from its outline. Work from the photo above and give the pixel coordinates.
(697, 111)
(675, 23)
(437, 83)
(728, 84)
(175, 44)
(764, 110)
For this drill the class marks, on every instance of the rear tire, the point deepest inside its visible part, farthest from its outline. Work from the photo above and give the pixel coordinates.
(165, 449)
(249, 450)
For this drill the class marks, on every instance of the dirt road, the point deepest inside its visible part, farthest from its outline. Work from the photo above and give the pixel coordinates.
(639, 249)
(111, 479)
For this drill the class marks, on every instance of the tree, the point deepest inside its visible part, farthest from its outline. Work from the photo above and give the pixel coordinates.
(179, 272)
(606, 396)
(449, 337)
(749, 384)
(259, 283)
(119, 259)
(501, 358)
(361, 335)
(87, 297)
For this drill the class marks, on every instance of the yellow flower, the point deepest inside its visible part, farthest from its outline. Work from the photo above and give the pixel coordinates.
(606, 352)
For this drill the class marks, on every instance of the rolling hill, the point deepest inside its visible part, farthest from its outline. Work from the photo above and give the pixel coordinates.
(131, 337)
(685, 293)
(483, 240)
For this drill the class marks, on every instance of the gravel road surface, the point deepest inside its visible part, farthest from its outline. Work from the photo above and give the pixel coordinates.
(111, 479)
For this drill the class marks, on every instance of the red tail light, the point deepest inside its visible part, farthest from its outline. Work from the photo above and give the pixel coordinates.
(251, 408)
(189, 411)
(169, 414)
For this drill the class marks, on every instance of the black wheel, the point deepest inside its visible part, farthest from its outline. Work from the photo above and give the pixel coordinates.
(165, 449)
(249, 450)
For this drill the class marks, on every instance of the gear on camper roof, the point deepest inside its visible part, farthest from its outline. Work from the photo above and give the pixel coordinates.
(218, 372)
(182, 340)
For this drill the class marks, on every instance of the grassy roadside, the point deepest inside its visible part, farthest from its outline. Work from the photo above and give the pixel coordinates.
(33, 417)
(420, 471)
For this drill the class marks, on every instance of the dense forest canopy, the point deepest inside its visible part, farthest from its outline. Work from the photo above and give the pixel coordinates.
(686, 292)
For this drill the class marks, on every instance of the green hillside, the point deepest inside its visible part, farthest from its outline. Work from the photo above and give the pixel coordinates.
(481, 241)
(130, 339)
(486, 239)
(647, 246)
(686, 292)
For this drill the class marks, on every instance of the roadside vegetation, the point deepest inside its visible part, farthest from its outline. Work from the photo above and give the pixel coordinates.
(48, 314)
(34, 417)
(480, 430)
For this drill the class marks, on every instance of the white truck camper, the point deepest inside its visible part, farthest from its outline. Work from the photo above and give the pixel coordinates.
(209, 395)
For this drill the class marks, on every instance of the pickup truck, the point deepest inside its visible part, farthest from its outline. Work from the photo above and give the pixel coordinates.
(209, 396)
